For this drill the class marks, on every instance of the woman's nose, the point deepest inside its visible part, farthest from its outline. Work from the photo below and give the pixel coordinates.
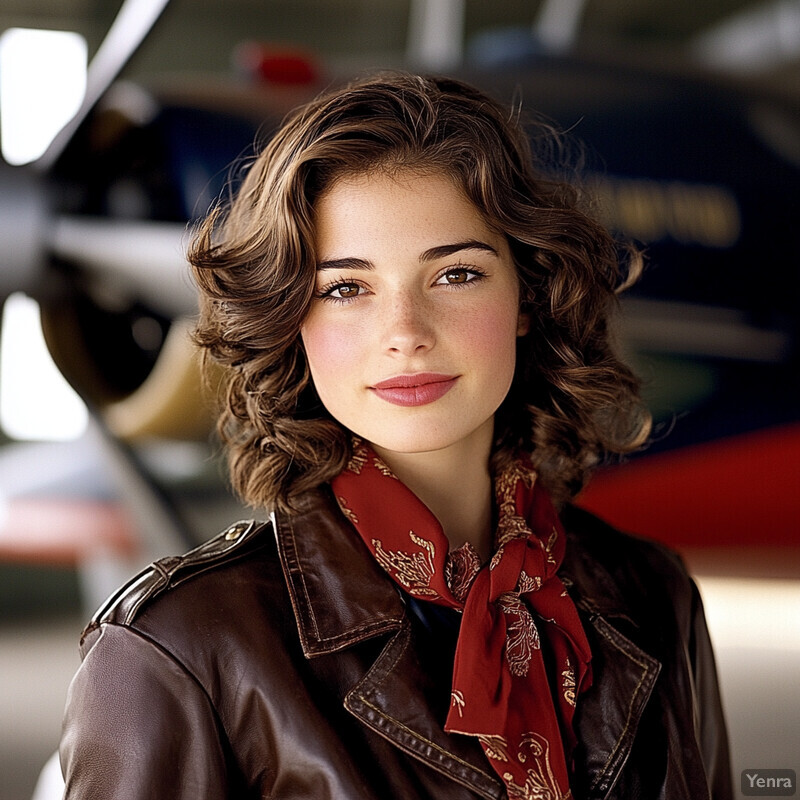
(408, 326)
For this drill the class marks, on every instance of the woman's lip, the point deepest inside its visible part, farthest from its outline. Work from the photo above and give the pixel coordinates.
(414, 379)
(414, 390)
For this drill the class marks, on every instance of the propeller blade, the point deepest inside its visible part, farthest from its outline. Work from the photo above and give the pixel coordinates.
(23, 218)
(126, 34)
(145, 259)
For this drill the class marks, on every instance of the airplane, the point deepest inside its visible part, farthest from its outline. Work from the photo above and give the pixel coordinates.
(701, 167)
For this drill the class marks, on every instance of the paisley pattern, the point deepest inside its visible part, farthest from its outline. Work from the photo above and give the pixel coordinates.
(568, 684)
(460, 569)
(414, 571)
(457, 700)
(349, 513)
(522, 635)
(503, 693)
(540, 780)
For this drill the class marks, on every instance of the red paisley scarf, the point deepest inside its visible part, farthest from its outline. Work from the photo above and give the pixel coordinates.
(501, 693)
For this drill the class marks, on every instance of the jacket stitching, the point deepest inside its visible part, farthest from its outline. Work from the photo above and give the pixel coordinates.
(400, 651)
(352, 635)
(446, 754)
(386, 669)
(296, 570)
(613, 637)
(355, 634)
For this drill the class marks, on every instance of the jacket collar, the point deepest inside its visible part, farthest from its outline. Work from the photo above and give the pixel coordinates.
(341, 596)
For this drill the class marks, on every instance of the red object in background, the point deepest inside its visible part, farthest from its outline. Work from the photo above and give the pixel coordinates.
(276, 65)
(738, 492)
(63, 531)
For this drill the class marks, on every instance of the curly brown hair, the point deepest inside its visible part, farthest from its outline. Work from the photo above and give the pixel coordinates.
(571, 401)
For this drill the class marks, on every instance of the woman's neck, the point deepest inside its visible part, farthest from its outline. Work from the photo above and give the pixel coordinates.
(455, 484)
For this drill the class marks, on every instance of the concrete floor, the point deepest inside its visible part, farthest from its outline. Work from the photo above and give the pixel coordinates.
(37, 660)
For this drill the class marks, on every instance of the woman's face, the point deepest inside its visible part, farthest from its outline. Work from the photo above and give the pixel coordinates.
(411, 335)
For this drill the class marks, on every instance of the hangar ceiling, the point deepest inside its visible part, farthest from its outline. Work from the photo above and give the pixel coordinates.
(199, 34)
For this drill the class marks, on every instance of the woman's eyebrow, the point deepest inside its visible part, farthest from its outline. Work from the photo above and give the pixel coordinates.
(441, 251)
(444, 250)
(345, 263)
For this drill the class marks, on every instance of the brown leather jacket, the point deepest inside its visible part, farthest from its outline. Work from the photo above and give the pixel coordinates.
(279, 661)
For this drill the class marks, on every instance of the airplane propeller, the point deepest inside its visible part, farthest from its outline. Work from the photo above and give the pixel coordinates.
(60, 258)
(64, 260)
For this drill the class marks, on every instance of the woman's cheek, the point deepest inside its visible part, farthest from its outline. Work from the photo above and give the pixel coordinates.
(493, 335)
(330, 349)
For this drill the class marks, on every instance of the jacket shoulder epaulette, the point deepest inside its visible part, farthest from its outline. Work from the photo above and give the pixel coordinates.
(166, 573)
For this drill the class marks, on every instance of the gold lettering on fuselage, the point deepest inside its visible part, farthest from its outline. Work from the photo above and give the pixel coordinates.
(651, 211)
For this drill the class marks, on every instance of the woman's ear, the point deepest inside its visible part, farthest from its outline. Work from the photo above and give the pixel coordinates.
(523, 323)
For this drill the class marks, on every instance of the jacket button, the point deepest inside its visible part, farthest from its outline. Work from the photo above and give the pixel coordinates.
(234, 532)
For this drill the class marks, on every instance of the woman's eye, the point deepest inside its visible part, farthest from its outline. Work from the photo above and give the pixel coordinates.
(341, 291)
(346, 290)
(459, 276)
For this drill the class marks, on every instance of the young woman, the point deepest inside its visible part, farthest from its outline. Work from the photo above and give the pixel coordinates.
(413, 321)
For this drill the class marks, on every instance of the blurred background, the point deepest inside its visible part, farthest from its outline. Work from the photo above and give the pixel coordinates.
(685, 119)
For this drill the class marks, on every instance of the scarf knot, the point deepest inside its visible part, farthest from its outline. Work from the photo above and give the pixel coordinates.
(502, 692)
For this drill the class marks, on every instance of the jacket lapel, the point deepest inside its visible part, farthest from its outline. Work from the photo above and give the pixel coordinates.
(608, 714)
(341, 597)
(390, 700)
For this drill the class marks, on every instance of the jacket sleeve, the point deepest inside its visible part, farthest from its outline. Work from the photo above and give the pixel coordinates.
(711, 731)
(139, 727)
